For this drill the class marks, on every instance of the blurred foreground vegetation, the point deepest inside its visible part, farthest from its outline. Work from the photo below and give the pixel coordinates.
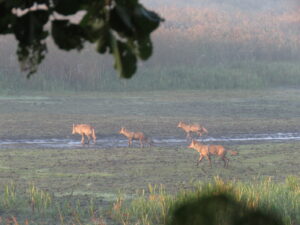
(260, 202)
(216, 202)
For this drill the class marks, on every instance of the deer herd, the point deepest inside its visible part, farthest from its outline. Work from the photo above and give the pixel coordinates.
(205, 151)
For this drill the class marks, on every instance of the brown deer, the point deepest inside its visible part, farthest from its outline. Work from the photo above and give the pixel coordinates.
(208, 150)
(84, 130)
(135, 136)
(188, 128)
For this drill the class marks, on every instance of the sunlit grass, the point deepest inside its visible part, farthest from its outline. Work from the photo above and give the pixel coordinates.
(154, 206)
(36, 206)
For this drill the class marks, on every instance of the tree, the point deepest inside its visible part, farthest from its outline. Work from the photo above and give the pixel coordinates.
(118, 27)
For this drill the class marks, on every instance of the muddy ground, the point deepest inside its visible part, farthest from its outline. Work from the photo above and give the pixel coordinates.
(157, 114)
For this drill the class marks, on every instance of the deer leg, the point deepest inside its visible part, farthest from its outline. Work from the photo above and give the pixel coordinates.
(89, 138)
(200, 159)
(188, 135)
(226, 161)
(129, 142)
(209, 159)
(82, 139)
(141, 142)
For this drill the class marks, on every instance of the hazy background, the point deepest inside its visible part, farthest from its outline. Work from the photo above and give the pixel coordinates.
(208, 44)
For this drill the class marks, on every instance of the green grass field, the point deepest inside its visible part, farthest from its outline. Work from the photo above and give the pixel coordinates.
(73, 177)
(81, 186)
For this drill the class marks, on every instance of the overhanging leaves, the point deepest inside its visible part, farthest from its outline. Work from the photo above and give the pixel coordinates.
(30, 27)
(146, 21)
(119, 27)
(67, 7)
(145, 48)
(67, 36)
(6, 19)
(120, 21)
(125, 59)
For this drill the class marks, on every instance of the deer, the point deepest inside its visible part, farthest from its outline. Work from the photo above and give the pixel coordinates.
(135, 136)
(208, 150)
(188, 128)
(84, 130)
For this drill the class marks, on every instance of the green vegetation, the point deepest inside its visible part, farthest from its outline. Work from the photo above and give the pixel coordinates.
(157, 207)
(119, 28)
(154, 205)
(36, 206)
(229, 76)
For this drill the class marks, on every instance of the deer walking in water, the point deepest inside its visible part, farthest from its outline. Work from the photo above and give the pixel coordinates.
(188, 128)
(84, 130)
(135, 136)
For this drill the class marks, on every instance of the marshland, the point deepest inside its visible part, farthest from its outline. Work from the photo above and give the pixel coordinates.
(232, 68)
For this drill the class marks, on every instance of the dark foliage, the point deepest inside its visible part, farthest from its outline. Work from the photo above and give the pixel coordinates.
(121, 28)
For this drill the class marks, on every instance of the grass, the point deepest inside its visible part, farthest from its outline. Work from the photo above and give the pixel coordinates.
(66, 185)
(83, 174)
(152, 205)
(36, 206)
(155, 206)
(238, 74)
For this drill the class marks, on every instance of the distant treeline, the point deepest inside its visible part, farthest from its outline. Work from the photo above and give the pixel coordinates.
(204, 48)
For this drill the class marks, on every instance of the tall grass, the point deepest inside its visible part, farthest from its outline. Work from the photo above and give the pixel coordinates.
(36, 206)
(236, 75)
(152, 206)
(156, 207)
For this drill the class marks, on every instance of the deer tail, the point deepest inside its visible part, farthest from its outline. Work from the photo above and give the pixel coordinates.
(232, 152)
(204, 130)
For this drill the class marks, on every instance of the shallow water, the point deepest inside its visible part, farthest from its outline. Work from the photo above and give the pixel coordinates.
(110, 142)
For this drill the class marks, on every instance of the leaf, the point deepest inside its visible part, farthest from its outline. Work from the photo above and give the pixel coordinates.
(146, 21)
(116, 52)
(94, 26)
(120, 21)
(7, 18)
(103, 41)
(125, 60)
(67, 7)
(31, 56)
(29, 28)
(66, 35)
(145, 48)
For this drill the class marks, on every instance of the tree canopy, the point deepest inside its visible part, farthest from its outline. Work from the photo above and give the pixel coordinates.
(121, 28)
